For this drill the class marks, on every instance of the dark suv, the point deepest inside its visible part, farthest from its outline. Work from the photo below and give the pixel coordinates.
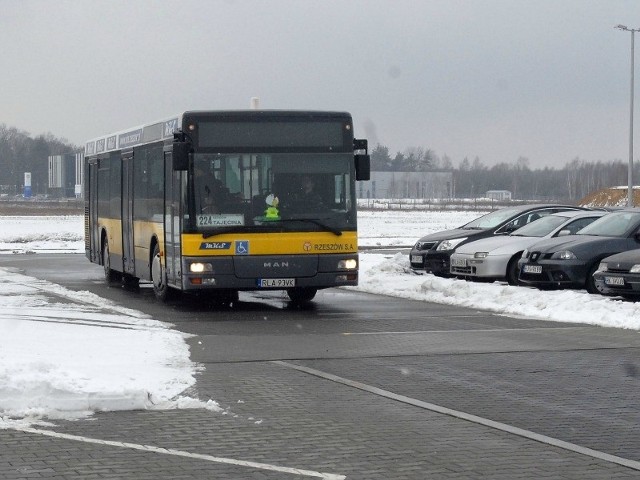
(431, 253)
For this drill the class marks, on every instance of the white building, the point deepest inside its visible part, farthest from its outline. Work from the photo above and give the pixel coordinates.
(499, 194)
(429, 184)
(66, 174)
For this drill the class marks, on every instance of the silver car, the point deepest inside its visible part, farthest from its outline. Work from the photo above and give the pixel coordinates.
(496, 258)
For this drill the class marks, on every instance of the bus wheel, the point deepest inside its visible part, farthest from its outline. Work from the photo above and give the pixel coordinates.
(230, 297)
(130, 282)
(111, 276)
(223, 298)
(159, 277)
(300, 296)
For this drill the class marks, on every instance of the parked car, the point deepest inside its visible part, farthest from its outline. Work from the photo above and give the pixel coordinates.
(570, 262)
(496, 258)
(431, 253)
(619, 275)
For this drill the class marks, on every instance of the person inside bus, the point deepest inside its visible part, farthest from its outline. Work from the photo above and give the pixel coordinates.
(214, 195)
(310, 192)
(305, 196)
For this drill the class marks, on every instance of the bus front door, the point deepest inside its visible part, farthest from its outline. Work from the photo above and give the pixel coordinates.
(172, 226)
(128, 256)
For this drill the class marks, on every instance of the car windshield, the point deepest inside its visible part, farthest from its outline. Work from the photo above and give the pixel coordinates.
(492, 219)
(541, 227)
(617, 224)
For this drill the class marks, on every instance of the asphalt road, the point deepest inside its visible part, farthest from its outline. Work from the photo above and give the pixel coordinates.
(360, 387)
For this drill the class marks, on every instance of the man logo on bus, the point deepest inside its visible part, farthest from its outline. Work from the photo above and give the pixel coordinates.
(307, 246)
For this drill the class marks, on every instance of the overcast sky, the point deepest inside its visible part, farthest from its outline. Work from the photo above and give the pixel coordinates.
(499, 79)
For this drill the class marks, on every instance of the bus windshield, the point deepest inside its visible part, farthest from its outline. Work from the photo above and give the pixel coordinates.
(281, 191)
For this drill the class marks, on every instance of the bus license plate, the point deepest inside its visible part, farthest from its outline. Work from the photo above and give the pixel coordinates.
(614, 281)
(532, 269)
(276, 282)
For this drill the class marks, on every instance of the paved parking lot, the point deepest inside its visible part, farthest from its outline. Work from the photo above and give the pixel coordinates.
(362, 387)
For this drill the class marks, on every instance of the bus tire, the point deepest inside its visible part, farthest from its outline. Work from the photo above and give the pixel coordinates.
(130, 282)
(110, 275)
(161, 290)
(302, 295)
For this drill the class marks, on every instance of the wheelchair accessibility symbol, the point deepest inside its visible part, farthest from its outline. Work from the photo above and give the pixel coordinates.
(242, 247)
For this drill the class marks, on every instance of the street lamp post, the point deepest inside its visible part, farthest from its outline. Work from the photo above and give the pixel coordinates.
(630, 174)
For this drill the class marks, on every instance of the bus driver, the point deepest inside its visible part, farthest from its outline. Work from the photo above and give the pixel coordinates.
(213, 194)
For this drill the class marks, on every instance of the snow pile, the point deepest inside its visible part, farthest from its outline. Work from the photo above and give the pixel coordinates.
(66, 355)
(392, 276)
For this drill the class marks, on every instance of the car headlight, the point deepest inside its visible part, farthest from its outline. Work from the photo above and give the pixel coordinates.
(480, 254)
(603, 267)
(564, 255)
(635, 268)
(450, 244)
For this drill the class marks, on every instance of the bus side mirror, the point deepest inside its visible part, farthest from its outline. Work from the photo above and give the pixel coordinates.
(363, 167)
(361, 159)
(180, 155)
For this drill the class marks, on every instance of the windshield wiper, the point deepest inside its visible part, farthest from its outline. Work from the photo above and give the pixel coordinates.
(261, 228)
(220, 231)
(324, 226)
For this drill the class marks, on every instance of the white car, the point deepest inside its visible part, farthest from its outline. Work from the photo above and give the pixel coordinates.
(496, 258)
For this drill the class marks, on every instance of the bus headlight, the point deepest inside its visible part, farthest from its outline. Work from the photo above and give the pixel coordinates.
(348, 264)
(199, 267)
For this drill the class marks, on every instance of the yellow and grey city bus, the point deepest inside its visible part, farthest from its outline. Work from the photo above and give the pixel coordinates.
(216, 202)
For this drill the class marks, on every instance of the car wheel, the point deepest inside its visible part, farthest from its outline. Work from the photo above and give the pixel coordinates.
(513, 271)
(590, 282)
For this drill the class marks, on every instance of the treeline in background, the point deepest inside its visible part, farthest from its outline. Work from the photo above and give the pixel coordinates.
(20, 153)
(472, 178)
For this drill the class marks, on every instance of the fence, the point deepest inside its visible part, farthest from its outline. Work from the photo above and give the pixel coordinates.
(481, 204)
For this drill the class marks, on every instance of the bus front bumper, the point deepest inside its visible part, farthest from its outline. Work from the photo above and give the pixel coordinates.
(269, 272)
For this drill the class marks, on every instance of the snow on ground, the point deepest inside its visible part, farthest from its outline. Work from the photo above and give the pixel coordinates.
(41, 234)
(62, 353)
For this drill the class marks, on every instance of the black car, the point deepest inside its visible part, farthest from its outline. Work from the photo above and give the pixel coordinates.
(619, 274)
(570, 262)
(431, 253)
